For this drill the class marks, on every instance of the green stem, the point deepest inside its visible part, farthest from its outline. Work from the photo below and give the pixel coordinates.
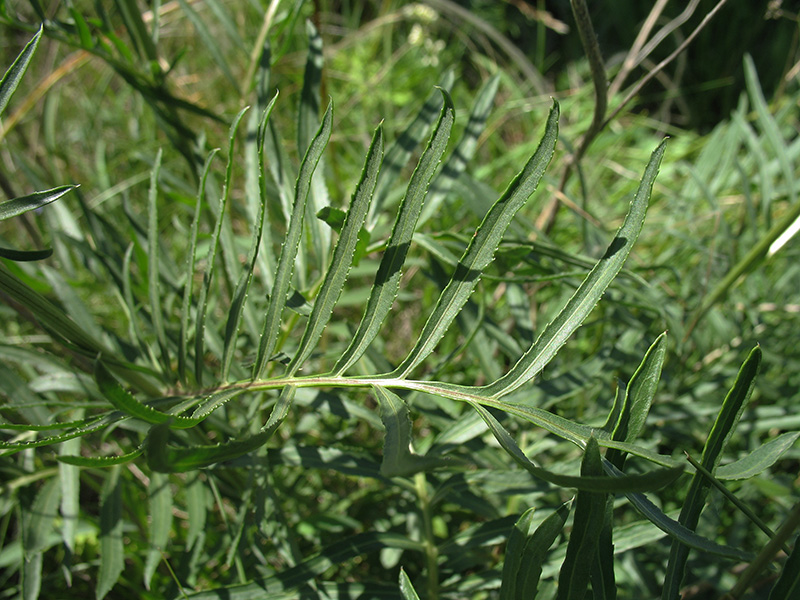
(431, 551)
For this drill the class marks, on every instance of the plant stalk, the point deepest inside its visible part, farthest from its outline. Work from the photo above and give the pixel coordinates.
(431, 551)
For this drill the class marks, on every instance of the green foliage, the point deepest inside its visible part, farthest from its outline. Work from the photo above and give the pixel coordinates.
(322, 370)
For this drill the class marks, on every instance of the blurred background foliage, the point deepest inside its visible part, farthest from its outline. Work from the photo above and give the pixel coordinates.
(95, 114)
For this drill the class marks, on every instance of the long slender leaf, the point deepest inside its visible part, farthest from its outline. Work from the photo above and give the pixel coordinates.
(183, 340)
(591, 483)
(588, 294)
(343, 254)
(462, 154)
(122, 400)
(202, 301)
(406, 588)
(399, 460)
(759, 459)
(387, 279)
(169, 459)
(639, 397)
(590, 512)
(153, 267)
(15, 72)
(526, 552)
(159, 495)
(482, 247)
(283, 274)
(723, 427)
(243, 286)
(22, 204)
(400, 151)
(112, 552)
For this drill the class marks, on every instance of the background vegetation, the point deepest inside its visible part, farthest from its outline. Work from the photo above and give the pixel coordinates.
(172, 428)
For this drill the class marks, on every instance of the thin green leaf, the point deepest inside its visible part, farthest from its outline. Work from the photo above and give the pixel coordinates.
(25, 255)
(283, 274)
(183, 339)
(330, 556)
(243, 286)
(788, 585)
(399, 460)
(387, 279)
(92, 426)
(481, 249)
(40, 517)
(15, 72)
(464, 151)
(159, 494)
(96, 462)
(693, 504)
(400, 151)
(22, 204)
(153, 270)
(343, 254)
(630, 483)
(639, 398)
(112, 552)
(69, 480)
(197, 507)
(588, 294)
(169, 459)
(675, 529)
(526, 552)
(202, 301)
(406, 587)
(759, 459)
(134, 23)
(590, 511)
(128, 404)
(308, 115)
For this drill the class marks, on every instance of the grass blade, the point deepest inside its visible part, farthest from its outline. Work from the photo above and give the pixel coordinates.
(153, 271)
(588, 294)
(159, 494)
(343, 254)
(481, 249)
(202, 301)
(723, 427)
(283, 274)
(590, 512)
(112, 552)
(387, 279)
(243, 286)
(16, 71)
